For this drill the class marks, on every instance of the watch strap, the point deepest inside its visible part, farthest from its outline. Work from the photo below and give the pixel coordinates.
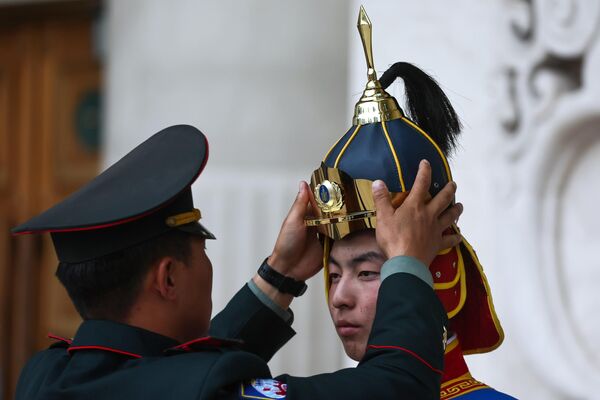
(284, 284)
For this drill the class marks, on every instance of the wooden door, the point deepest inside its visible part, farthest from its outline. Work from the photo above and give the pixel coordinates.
(49, 131)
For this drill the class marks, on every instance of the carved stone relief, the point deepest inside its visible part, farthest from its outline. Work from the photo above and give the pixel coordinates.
(550, 134)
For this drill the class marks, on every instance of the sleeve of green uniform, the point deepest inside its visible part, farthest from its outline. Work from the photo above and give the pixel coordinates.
(404, 358)
(409, 265)
(285, 315)
(246, 318)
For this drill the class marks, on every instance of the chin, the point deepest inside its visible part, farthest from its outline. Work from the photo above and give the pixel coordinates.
(354, 351)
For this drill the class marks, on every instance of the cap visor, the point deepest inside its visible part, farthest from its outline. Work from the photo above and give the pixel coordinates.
(197, 229)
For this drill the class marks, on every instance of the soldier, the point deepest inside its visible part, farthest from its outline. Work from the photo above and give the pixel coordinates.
(384, 144)
(131, 256)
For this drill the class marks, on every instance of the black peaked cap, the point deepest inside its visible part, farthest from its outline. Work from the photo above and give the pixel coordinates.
(129, 202)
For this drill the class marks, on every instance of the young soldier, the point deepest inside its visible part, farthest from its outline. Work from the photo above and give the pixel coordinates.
(132, 259)
(384, 144)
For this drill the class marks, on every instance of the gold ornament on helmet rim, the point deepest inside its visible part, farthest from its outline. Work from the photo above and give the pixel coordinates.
(328, 196)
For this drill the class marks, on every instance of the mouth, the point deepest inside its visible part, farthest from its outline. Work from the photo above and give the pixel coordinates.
(345, 329)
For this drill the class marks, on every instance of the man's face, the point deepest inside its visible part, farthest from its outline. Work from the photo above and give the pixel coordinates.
(354, 266)
(196, 300)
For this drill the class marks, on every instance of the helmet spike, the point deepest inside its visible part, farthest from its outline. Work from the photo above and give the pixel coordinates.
(364, 28)
(375, 104)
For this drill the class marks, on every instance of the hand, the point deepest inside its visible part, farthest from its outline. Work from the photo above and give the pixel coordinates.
(297, 252)
(416, 228)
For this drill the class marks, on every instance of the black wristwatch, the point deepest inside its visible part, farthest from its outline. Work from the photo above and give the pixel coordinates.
(284, 284)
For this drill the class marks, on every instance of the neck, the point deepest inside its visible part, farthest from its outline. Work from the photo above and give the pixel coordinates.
(157, 319)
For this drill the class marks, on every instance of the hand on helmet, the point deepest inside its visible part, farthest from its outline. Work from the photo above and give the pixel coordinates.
(297, 252)
(416, 227)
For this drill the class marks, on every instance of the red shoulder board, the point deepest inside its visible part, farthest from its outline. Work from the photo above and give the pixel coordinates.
(205, 343)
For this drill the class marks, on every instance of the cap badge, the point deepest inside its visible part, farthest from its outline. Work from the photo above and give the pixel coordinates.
(329, 196)
(184, 218)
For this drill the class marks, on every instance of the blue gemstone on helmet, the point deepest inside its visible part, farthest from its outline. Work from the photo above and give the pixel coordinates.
(324, 194)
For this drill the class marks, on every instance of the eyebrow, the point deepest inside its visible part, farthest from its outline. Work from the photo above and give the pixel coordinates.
(361, 258)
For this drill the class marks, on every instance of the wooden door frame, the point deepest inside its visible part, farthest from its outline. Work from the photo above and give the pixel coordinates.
(20, 278)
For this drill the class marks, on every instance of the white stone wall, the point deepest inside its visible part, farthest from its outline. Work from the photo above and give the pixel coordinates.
(273, 84)
(266, 82)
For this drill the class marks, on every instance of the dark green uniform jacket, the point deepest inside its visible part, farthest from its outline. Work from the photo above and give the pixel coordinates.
(108, 360)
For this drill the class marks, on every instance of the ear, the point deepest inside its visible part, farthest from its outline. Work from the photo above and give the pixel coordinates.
(165, 282)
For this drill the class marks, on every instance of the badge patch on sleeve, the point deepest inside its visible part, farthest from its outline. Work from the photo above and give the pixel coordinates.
(263, 389)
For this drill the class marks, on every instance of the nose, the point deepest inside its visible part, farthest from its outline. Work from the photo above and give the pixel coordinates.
(343, 293)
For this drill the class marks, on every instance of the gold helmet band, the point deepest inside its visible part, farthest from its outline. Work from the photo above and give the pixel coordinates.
(343, 204)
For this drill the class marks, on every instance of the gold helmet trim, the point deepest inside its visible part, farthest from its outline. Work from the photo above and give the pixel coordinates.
(375, 104)
(343, 204)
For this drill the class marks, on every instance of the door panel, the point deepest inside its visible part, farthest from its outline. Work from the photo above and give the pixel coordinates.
(50, 84)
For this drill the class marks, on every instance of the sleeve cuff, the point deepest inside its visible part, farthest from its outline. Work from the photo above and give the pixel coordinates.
(286, 315)
(406, 264)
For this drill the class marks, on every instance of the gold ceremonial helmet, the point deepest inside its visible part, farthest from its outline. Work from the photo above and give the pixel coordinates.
(381, 144)
(384, 144)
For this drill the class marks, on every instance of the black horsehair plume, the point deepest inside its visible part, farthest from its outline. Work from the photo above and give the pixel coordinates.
(428, 106)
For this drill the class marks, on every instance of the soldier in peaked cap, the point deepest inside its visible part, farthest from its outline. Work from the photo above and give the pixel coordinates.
(131, 256)
(385, 144)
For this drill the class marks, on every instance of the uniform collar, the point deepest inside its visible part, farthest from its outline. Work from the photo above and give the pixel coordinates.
(120, 338)
(457, 380)
(454, 361)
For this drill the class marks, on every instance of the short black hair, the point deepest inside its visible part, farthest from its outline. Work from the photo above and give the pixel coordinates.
(107, 287)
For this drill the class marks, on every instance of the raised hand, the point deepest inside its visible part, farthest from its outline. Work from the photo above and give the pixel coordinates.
(416, 227)
(297, 252)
